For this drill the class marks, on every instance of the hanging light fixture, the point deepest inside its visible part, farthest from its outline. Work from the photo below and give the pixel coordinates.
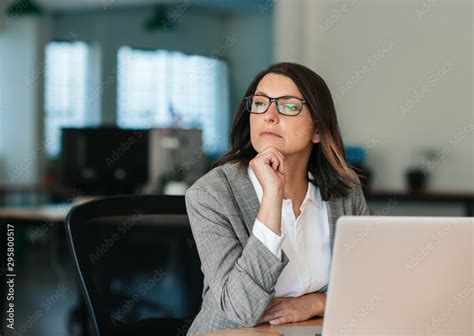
(24, 7)
(160, 19)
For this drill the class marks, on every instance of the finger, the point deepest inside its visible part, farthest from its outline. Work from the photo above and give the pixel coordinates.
(272, 315)
(273, 160)
(265, 319)
(276, 151)
(280, 320)
(282, 160)
(272, 310)
(274, 306)
(273, 303)
(280, 309)
(278, 157)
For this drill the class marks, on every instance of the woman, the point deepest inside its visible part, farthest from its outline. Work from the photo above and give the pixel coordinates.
(264, 217)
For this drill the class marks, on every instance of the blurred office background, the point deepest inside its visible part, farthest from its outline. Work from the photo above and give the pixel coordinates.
(127, 97)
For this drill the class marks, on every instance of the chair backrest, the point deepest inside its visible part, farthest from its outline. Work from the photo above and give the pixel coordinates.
(137, 262)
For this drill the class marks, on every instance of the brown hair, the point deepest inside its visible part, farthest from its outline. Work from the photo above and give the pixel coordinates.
(327, 162)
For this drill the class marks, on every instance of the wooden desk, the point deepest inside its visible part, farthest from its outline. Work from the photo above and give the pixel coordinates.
(34, 193)
(265, 329)
(55, 213)
(42, 213)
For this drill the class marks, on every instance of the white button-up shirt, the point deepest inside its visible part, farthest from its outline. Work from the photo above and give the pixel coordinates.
(305, 241)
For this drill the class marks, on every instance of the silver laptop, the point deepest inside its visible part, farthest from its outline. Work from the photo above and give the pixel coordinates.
(401, 276)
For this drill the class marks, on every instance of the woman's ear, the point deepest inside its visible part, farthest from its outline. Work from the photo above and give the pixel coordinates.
(316, 138)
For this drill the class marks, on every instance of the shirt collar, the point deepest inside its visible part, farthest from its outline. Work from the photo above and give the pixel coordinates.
(312, 193)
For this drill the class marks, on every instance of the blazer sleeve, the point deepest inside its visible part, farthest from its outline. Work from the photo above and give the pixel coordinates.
(359, 203)
(241, 278)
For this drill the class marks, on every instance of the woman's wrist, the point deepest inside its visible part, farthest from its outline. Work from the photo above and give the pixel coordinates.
(270, 212)
(319, 303)
(275, 194)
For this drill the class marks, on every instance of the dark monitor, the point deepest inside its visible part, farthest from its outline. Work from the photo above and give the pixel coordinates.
(104, 160)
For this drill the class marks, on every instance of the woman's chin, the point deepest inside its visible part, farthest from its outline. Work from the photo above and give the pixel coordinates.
(264, 146)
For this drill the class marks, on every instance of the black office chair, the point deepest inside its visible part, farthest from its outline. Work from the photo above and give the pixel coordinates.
(138, 265)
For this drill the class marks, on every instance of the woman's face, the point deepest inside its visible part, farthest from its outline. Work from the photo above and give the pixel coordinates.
(297, 133)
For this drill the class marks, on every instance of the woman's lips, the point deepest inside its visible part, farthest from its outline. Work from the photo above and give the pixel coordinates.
(268, 134)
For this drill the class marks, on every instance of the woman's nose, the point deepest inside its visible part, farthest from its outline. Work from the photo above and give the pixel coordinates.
(272, 113)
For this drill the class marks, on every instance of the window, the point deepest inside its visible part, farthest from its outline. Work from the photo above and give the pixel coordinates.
(171, 89)
(68, 95)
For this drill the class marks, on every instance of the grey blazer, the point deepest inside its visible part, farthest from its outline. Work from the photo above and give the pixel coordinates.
(240, 273)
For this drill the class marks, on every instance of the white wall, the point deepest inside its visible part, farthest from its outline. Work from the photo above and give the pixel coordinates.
(252, 51)
(20, 100)
(401, 76)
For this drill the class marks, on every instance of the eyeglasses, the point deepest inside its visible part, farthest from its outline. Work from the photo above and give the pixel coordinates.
(286, 105)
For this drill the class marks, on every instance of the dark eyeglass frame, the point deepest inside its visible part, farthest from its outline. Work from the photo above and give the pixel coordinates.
(275, 99)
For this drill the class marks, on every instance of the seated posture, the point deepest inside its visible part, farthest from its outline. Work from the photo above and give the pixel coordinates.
(263, 218)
